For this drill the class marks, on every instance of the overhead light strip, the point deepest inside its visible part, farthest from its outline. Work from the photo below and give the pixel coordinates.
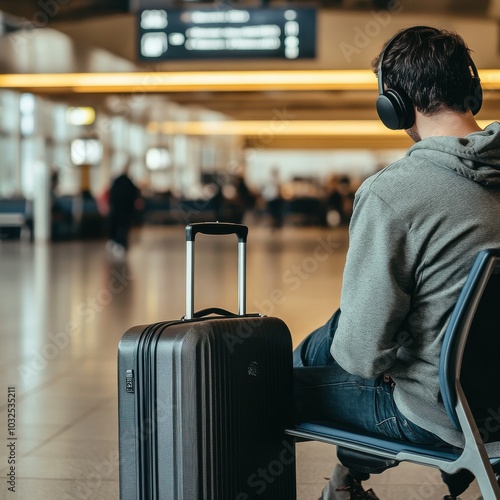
(191, 81)
(215, 81)
(266, 129)
(269, 127)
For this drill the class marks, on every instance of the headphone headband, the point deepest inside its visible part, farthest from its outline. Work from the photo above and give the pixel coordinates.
(389, 44)
(395, 108)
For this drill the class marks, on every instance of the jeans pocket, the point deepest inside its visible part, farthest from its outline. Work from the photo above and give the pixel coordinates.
(390, 428)
(416, 434)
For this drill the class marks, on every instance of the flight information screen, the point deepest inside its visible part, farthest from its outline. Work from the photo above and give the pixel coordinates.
(286, 33)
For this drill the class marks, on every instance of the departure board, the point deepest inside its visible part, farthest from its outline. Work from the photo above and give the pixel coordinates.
(181, 34)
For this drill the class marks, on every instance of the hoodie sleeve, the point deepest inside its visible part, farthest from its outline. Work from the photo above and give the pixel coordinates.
(376, 289)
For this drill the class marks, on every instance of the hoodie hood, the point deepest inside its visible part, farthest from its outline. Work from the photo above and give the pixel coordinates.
(475, 156)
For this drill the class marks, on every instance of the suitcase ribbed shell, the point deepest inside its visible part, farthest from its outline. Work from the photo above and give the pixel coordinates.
(211, 401)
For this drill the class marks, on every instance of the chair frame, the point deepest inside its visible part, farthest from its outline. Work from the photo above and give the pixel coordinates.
(473, 456)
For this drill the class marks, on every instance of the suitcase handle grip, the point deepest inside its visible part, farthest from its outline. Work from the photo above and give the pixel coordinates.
(214, 310)
(220, 312)
(215, 228)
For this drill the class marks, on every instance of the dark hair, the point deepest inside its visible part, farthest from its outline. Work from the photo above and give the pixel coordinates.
(431, 66)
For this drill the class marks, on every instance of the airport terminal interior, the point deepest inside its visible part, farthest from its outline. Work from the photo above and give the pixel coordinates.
(261, 113)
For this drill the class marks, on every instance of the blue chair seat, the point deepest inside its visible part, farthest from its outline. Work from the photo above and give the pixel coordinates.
(389, 448)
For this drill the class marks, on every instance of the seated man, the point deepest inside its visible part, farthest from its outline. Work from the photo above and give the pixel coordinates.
(415, 231)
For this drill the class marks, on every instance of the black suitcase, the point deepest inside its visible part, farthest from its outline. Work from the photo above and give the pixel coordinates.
(204, 401)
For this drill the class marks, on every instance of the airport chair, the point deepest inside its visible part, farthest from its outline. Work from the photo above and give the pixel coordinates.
(469, 374)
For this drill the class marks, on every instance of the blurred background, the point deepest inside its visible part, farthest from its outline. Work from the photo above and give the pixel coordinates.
(205, 111)
(261, 112)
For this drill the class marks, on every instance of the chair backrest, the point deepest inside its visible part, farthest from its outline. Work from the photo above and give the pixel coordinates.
(471, 347)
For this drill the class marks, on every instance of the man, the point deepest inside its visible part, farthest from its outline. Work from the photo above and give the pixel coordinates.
(123, 196)
(415, 231)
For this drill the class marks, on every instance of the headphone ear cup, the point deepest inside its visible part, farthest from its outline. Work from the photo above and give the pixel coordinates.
(475, 100)
(395, 110)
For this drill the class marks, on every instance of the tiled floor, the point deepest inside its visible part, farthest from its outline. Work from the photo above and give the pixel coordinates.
(65, 306)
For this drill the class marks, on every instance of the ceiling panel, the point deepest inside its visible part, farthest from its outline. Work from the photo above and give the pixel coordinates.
(262, 105)
(33, 10)
(42, 12)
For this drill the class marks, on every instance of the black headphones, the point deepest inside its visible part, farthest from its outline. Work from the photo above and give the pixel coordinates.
(395, 108)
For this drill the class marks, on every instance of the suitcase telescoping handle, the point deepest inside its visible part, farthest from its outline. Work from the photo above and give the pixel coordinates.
(215, 228)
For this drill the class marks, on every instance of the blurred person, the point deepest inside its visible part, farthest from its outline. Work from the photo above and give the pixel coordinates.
(60, 219)
(244, 194)
(218, 202)
(273, 199)
(416, 228)
(339, 202)
(123, 198)
(102, 201)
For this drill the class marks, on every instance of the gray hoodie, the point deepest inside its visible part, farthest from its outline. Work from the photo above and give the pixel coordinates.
(416, 229)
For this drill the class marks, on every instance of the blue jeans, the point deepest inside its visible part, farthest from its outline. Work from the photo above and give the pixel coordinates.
(325, 391)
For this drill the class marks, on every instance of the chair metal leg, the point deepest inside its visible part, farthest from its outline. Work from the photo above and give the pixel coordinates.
(475, 457)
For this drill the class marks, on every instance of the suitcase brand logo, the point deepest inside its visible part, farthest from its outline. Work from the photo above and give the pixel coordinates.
(253, 369)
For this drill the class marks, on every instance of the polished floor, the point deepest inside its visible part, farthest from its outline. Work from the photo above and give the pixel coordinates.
(64, 308)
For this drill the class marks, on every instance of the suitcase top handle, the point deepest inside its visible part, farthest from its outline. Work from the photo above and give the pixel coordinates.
(215, 228)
